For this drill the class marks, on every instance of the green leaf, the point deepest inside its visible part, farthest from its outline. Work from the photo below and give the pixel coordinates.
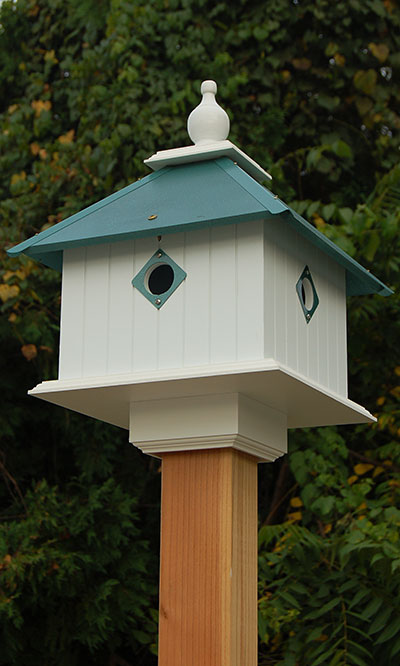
(355, 659)
(326, 608)
(395, 649)
(342, 149)
(345, 215)
(328, 102)
(391, 630)
(315, 633)
(372, 245)
(328, 211)
(359, 596)
(290, 599)
(312, 208)
(326, 654)
(380, 620)
(323, 505)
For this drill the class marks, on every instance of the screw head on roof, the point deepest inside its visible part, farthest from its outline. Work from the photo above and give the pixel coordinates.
(208, 122)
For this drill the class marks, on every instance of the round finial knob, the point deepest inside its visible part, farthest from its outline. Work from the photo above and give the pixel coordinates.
(208, 122)
(208, 86)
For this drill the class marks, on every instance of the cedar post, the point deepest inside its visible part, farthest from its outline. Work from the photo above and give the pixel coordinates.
(208, 573)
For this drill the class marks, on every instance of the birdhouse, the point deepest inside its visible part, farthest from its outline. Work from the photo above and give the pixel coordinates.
(198, 310)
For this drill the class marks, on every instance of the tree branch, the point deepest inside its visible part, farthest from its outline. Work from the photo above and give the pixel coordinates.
(116, 660)
(10, 479)
(279, 495)
(375, 463)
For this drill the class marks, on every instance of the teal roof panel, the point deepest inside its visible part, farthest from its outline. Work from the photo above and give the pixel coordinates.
(182, 198)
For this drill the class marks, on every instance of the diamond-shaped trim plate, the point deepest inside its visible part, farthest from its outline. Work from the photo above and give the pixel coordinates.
(308, 312)
(139, 281)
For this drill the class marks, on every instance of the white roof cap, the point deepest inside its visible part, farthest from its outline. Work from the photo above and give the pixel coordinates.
(208, 127)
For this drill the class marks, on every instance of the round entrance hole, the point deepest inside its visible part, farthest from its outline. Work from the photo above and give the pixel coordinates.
(307, 293)
(160, 278)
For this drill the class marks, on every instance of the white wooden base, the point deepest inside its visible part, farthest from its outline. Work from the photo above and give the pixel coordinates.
(228, 420)
(108, 398)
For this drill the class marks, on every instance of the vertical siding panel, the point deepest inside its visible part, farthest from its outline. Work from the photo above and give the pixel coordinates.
(171, 315)
(332, 335)
(278, 315)
(269, 293)
(341, 322)
(250, 291)
(322, 315)
(96, 310)
(146, 319)
(197, 302)
(120, 308)
(223, 296)
(313, 326)
(72, 313)
(306, 333)
(296, 336)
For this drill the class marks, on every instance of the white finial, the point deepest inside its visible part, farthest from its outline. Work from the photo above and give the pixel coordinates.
(208, 122)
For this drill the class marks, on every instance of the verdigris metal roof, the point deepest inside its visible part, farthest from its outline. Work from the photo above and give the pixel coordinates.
(183, 198)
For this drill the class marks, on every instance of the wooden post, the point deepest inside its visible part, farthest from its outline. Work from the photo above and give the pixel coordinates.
(208, 572)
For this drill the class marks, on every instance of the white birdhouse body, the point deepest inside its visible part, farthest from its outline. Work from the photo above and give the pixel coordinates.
(238, 303)
(196, 289)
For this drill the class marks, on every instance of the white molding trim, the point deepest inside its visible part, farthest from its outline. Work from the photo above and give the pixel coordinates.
(262, 452)
(108, 398)
(208, 151)
(206, 422)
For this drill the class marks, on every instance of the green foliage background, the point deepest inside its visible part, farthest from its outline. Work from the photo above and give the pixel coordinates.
(88, 89)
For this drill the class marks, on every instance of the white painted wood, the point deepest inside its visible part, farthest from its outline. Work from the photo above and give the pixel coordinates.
(223, 294)
(197, 287)
(323, 279)
(250, 291)
(270, 296)
(275, 275)
(340, 328)
(233, 420)
(171, 315)
(145, 316)
(341, 322)
(297, 329)
(121, 309)
(210, 151)
(95, 324)
(72, 309)
(306, 403)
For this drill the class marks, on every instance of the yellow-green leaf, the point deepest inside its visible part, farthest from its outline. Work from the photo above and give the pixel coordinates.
(365, 80)
(8, 291)
(352, 479)
(39, 105)
(379, 51)
(362, 468)
(16, 177)
(301, 63)
(29, 351)
(67, 138)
